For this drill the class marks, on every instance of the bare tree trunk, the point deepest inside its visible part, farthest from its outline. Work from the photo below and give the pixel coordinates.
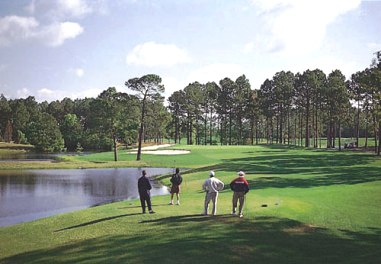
(307, 143)
(256, 132)
(366, 132)
(205, 128)
(358, 124)
(266, 131)
(271, 131)
(375, 134)
(379, 139)
(339, 127)
(138, 155)
(230, 127)
(177, 128)
(281, 124)
(210, 127)
(301, 130)
(295, 131)
(288, 127)
(115, 146)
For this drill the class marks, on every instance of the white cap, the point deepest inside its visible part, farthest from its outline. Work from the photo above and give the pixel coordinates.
(211, 173)
(241, 174)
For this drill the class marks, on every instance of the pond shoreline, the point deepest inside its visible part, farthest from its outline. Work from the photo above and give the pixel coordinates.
(28, 195)
(63, 161)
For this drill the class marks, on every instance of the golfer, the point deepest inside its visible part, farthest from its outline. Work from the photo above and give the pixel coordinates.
(212, 186)
(240, 187)
(176, 181)
(144, 187)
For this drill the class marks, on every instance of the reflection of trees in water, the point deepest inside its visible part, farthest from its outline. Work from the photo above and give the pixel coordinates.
(99, 185)
(20, 184)
(106, 183)
(116, 184)
(107, 186)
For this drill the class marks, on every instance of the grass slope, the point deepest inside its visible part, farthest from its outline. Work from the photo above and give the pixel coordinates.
(322, 207)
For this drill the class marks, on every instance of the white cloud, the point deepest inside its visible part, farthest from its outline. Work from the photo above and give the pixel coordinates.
(75, 8)
(88, 93)
(215, 72)
(173, 84)
(23, 93)
(49, 95)
(56, 34)
(16, 28)
(153, 54)
(61, 9)
(328, 64)
(299, 26)
(45, 91)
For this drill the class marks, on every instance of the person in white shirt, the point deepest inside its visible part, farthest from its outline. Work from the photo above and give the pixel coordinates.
(212, 186)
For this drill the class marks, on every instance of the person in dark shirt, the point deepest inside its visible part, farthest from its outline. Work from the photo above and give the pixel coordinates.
(144, 187)
(240, 187)
(176, 181)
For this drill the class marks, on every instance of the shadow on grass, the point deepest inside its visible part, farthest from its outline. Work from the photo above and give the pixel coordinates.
(217, 240)
(187, 218)
(106, 218)
(95, 222)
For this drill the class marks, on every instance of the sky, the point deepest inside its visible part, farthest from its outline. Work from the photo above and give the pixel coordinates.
(52, 49)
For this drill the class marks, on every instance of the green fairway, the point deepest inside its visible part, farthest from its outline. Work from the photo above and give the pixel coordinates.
(304, 206)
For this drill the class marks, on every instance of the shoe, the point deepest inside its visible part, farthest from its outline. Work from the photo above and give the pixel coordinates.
(234, 213)
(143, 212)
(171, 203)
(151, 212)
(178, 203)
(241, 215)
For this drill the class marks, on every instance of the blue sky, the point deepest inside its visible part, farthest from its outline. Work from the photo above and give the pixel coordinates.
(51, 49)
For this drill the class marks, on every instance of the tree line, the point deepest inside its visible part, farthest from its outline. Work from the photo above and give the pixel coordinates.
(99, 123)
(308, 109)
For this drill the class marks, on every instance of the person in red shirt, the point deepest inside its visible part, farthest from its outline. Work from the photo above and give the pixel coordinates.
(240, 187)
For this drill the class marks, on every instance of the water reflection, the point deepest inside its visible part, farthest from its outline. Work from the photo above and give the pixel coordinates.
(32, 194)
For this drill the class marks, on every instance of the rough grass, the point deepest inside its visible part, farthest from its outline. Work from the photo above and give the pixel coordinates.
(305, 206)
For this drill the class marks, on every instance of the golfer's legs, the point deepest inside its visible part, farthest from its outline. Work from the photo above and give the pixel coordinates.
(235, 200)
(241, 202)
(214, 200)
(148, 199)
(143, 203)
(206, 203)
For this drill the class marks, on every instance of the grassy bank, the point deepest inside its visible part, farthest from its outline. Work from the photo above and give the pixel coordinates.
(305, 206)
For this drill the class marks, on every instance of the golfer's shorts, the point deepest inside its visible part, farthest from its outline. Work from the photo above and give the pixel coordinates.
(175, 188)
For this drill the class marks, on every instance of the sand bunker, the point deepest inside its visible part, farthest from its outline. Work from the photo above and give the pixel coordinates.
(154, 150)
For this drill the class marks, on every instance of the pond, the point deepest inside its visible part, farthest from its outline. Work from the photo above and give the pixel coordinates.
(31, 194)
